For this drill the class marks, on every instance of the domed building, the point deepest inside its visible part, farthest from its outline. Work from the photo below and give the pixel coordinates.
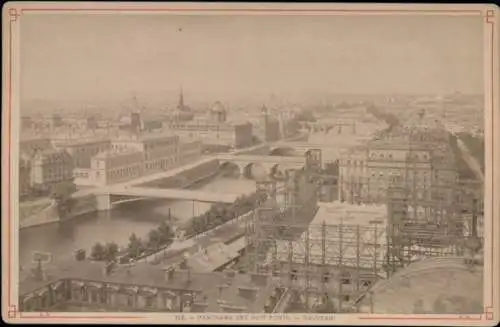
(447, 285)
(218, 112)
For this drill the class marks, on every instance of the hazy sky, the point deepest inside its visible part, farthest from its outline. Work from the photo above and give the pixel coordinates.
(112, 56)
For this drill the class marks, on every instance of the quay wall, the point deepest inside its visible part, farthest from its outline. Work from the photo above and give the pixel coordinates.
(88, 203)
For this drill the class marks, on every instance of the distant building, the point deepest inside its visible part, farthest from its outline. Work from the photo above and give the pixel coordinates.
(228, 134)
(218, 113)
(24, 174)
(82, 150)
(269, 127)
(189, 151)
(160, 151)
(91, 123)
(115, 165)
(26, 122)
(56, 121)
(30, 145)
(50, 167)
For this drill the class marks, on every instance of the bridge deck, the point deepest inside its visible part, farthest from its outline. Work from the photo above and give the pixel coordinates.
(262, 159)
(178, 194)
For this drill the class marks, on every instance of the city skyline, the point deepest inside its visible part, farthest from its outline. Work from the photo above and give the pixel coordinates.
(236, 57)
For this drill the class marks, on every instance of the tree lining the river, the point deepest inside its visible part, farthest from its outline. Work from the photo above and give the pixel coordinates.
(219, 213)
(163, 236)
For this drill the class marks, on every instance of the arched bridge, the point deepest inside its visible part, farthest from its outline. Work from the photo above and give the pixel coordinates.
(270, 164)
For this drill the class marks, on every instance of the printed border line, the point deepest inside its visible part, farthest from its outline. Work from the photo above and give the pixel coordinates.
(13, 15)
(275, 10)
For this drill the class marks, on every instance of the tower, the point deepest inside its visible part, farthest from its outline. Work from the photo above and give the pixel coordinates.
(180, 105)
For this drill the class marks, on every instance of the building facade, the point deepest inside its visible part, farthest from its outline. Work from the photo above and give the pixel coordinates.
(82, 151)
(24, 175)
(30, 145)
(50, 167)
(113, 166)
(422, 158)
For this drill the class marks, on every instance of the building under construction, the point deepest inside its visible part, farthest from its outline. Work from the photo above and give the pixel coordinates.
(325, 263)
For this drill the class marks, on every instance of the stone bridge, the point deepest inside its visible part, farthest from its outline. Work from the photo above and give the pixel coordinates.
(271, 165)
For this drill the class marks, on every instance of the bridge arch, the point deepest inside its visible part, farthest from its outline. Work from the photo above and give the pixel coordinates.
(254, 170)
(277, 171)
(229, 168)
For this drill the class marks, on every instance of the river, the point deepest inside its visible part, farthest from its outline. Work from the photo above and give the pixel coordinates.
(116, 225)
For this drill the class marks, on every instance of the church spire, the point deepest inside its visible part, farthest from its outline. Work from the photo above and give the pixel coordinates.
(180, 106)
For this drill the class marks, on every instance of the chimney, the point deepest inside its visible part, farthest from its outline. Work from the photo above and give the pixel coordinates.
(108, 268)
(248, 293)
(170, 274)
(258, 279)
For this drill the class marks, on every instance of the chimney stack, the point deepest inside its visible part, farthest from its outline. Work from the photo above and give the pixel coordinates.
(170, 274)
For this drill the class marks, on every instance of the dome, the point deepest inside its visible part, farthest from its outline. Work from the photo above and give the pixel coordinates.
(432, 285)
(218, 107)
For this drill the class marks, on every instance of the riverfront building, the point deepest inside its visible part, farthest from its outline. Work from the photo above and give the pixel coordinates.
(111, 166)
(132, 156)
(82, 150)
(50, 167)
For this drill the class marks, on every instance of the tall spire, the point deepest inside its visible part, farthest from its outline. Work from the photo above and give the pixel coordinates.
(180, 106)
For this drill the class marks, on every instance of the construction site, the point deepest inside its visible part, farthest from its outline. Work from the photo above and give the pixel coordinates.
(325, 256)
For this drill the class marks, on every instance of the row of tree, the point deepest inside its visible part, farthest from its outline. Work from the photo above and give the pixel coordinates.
(219, 213)
(158, 238)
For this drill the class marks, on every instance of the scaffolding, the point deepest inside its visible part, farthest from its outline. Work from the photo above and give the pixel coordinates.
(315, 262)
(410, 237)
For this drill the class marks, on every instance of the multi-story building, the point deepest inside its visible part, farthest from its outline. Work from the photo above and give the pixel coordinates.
(50, 167)
(82, 150)
(189, 151)
(24, 174)
(29, 145)
(421, 157)
(230, 134)
(160, 151)
(113, 166)
(269, 127)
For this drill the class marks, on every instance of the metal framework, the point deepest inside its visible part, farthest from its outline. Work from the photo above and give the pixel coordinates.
(409, 237)
(340, 261)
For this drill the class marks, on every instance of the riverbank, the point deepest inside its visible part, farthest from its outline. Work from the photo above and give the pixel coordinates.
(86, 203)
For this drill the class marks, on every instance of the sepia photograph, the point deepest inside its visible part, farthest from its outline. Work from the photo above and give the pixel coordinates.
(231, 163)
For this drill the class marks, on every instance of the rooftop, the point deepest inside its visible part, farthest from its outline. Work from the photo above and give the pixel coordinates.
(112, 153)
(216, 292)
